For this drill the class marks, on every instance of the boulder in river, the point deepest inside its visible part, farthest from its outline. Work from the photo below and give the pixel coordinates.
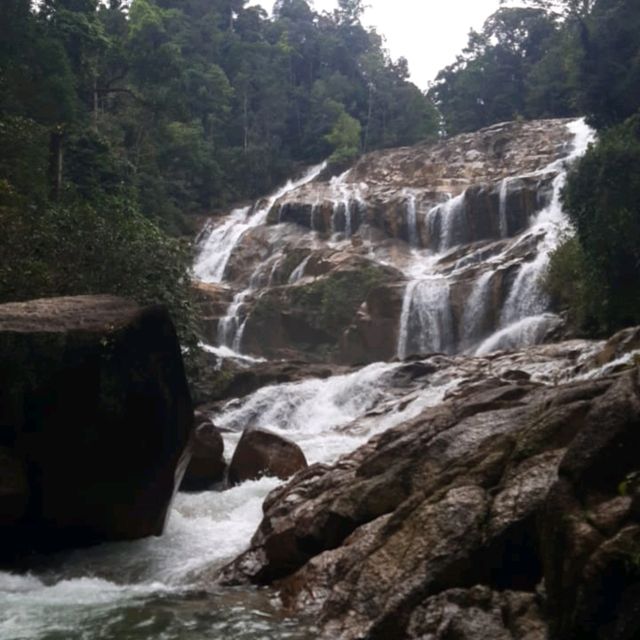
(263, 453)
(95, 417)
(207, 465)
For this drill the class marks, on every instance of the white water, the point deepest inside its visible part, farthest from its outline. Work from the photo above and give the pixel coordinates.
(217, 249)
(426, 323)
(503, 194)
(476, 310)
(298, 273)
(412, 220)
(160, 588)
(219, 245)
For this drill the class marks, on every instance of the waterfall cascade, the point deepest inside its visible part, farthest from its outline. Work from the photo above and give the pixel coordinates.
(440, 264)
(473, 268)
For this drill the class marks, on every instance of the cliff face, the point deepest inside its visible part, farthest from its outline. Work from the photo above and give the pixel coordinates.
(413, 250)
(95, 418)
(511, 510)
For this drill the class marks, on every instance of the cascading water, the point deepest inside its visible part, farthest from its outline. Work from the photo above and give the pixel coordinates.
(448, 219)
(503, 194)
(426, 323)
(161, 587)
(219, 246)
(523, 318)
(412, 220)
(476, 309)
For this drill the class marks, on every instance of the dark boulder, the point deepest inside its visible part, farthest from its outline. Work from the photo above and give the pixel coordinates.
(95, 417)
(262, 453)
(207, 465)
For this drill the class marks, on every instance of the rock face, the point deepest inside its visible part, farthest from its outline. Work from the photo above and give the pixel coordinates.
(95, 417)
(207, 465)
(509, 511)
(424, 249)
(262, 453)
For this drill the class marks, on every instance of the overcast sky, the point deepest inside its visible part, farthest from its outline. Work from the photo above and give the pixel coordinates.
(429, 33)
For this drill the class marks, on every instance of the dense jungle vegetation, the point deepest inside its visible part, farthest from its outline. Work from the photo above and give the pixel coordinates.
(121, 122)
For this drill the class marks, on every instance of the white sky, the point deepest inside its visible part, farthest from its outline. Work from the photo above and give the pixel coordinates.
(429, 33)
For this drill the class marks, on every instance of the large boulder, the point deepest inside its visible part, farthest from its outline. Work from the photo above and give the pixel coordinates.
(263, 453)
(95, 417)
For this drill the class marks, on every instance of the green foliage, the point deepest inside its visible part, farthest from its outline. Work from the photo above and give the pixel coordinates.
(76, 249)
(498, 76)
(599, 268)
(546, 59)
(602, 198)
(344, 137)
(568, 287)
(337, 297)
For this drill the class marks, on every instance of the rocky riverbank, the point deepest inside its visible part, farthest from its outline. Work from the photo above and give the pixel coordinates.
(510, 510)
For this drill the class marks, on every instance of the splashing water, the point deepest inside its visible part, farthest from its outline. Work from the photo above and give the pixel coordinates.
(218, 247)
(426, 323)
(476, 310)
(412, 220)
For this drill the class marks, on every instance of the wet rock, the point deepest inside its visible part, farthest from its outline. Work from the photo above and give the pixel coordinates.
(509, 484)
(207, 465)
(212, 301)
(95, 417)
(263, 453)
(310, 317)
(479, 614)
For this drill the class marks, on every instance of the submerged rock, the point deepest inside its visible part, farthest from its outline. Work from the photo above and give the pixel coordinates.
(95, 416)
(263, 453)
(509, 511)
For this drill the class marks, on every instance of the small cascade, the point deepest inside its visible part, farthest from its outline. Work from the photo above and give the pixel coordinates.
(523, 316)
(229, 327)
(522, 333)
(503, 195)
(218, 247)
(446, 222)
(476, 310)
(426, 323)
(412, 220)
(298, 273)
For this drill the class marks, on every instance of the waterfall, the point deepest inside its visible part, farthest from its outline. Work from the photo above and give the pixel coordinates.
(446, 222)
(523, 317)
(218, 247)
(476, 309)
(412, 220)
(503, 195)
(426, 322)
(298, 272)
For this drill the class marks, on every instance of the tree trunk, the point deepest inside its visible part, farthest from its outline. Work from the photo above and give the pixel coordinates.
(56, 152)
